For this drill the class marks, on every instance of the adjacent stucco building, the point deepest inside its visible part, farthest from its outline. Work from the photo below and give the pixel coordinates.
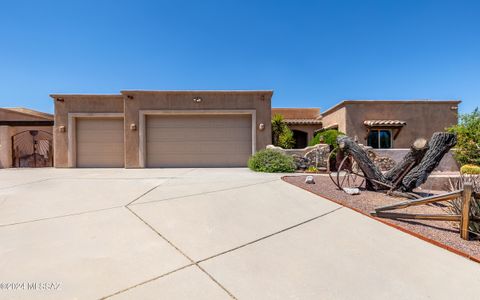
(137, 129)
(25, 138)
(391, 124)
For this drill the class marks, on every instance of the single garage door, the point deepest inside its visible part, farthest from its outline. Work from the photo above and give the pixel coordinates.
(198, 140)
(100, 142)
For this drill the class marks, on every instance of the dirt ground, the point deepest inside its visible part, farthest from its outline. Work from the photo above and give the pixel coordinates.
(439, 232)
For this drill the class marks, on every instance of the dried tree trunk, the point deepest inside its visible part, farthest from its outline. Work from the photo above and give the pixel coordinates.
(409, 161)
(368, 168)
(438, 146)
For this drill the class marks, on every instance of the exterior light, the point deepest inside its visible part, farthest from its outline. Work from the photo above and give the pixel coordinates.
(261, 126)
(197, 99)
(133, 127)
(61, 128)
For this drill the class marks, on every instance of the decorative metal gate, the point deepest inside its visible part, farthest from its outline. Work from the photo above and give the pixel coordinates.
(32, 149)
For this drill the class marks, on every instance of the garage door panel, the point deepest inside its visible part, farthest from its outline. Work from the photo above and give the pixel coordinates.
(100, 142)
(206, 121)
(198, 140)
(204, 147)
(197, 134)
(198, 161)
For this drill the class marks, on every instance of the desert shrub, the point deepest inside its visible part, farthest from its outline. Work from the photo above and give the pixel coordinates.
(271, 161)
(282, 136)
(286, 139)
(326, 137)
(455, 206)
(470, 169)
(467, 150)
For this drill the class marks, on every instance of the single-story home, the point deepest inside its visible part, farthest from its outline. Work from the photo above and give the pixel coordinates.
(25, 138)
(381, 124)
(138, 129)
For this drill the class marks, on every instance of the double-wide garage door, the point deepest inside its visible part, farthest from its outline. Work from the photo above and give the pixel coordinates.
(198, 140)
(100, 142)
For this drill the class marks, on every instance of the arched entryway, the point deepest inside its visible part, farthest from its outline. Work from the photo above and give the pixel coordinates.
(32, 149)
(301, 139)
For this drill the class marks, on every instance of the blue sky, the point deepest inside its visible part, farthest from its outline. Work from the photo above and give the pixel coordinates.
(311, 53)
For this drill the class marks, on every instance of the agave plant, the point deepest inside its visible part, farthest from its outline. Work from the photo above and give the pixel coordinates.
(455, 206)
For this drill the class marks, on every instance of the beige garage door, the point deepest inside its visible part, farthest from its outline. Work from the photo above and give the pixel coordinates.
(100, 142)
(198, 140)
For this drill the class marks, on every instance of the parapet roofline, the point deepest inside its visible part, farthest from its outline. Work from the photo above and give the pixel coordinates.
(130, 92)
(341, 104)
(125, 92)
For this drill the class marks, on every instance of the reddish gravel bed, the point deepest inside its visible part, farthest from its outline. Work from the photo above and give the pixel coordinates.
(443, 234)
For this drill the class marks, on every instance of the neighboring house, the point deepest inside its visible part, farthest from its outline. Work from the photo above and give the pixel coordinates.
(391, 124)
(25, 138)
(137, 129)
(304, 123)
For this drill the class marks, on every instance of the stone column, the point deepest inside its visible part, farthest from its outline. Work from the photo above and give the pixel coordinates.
(5, 147)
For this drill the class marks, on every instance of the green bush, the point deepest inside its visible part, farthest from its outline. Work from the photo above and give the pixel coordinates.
(470, 169)
(467, 150)
(286, 139)
(282, 136)
(271, 161)
(326, 137)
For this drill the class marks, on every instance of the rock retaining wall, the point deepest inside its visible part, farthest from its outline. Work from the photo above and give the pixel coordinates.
(312, 156)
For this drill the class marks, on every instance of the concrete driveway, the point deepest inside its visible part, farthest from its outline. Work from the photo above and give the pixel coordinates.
(205, 234)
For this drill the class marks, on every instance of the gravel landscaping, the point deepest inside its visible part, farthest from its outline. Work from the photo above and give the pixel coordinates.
(444, 234)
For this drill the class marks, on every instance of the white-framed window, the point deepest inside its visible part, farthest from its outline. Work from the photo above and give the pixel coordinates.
(380, 138)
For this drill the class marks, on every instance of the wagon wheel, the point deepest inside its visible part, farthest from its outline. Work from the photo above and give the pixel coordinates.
(349, 174)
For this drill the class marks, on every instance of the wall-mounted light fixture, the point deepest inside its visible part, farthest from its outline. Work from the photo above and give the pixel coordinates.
(130, 97)
(261, 126)
(197, 99)
(60, 99)
(454, 107)
(61, 128)
(133, 127)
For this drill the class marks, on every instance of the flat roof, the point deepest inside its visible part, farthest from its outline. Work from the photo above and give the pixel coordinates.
(341, 104)
(29, 112)
(195, 91)
(85, 95)
(130, 92)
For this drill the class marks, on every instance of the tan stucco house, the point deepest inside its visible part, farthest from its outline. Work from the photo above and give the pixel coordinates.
(391, 124)
(381, 124)
(138, 129)
(25, 138)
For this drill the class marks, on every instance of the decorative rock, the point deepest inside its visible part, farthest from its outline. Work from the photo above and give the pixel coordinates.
(309, 180)
(351, 191)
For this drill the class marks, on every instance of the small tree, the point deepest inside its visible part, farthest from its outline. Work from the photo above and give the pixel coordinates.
(282, 136)
(468, 136)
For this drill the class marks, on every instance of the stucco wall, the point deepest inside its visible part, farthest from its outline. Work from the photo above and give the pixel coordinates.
(260, 101)
(423, 118)
(132, 102)
(297, 113)
(78, 104)
(335, 116)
